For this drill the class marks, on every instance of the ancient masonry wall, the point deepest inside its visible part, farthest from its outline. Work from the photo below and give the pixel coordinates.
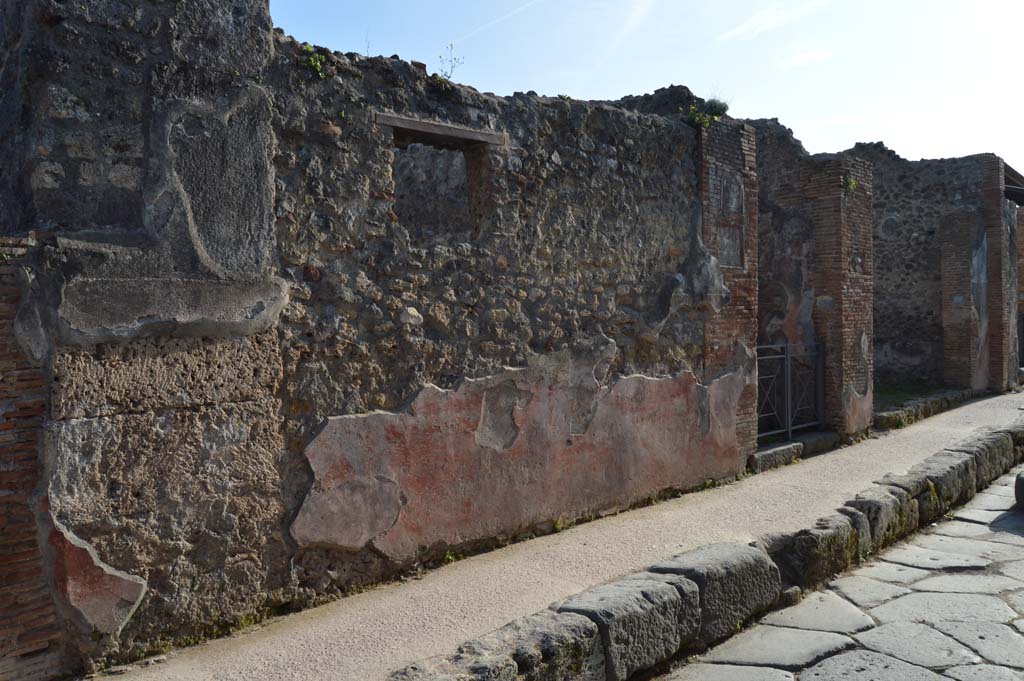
(730, 228)
(839, 197)
(786, 240)
(252, 404)
(911, 200)
(31, 638)
(817, 276)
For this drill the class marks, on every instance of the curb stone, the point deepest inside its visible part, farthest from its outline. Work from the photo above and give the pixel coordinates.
(614, 631)
(922, 408)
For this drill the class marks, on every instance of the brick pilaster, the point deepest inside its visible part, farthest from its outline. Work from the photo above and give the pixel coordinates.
(839, 196)
(728, 192)
(29, 632)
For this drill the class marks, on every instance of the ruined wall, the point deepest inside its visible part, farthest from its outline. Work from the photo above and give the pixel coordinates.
(582, 265)
(31, 638)
(785, 240)
(272, 376)
(910, 201)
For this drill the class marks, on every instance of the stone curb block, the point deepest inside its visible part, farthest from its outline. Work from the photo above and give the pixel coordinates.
(736, 583)
(919, 409)
(704, 596)
(774, 457)
(547, 646)
(643, 620)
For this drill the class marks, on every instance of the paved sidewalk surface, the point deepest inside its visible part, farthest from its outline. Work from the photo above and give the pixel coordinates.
(368, 635)
(947, 604)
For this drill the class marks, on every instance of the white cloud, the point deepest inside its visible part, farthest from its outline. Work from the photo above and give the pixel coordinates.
(638, 13)
(771, 18)
(807, 58)
(494, 22)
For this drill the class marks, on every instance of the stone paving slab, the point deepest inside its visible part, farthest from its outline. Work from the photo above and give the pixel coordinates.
(728, 672)
(983, 672)
(822, 611)
(891, 572)
(949, 604)
(765, 646)
(969, 584)
(865, 592)
(969, 548)
(930, 559)
(997, 643)
(865, 665)
(931, 608)
(917, 644)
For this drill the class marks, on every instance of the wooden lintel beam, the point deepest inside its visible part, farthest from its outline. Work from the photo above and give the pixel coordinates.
(411, 130)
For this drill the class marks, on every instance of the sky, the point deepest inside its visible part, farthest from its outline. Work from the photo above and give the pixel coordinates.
(930, 78)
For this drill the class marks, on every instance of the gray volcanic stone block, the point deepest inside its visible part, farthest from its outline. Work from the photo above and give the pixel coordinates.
(917, 644)
(812, 556)
(864, 665)
(890, 511)
(983, 672)
(779, 647)
(736, 582)
(997, 643)
(728, 672)
(865, 592)
(641, 622)
(862, 527)
(931, 608)
(547, 646)
(993, 454)
(823, 611)
(774, 457)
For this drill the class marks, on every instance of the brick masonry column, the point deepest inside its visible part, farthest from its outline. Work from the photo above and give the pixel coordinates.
(29, 634)
(728, 188)
(839, 196)
(964, 265)
(1000, 224)
(1019, 245)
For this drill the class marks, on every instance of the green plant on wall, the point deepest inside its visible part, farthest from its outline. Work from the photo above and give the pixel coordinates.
(850, 184)
(716, 107)
(315, 61)
(698, 118)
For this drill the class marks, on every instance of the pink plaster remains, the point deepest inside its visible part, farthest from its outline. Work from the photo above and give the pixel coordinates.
(501, 454)
(104, 597)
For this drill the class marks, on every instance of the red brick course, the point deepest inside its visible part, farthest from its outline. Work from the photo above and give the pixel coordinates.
(838, 192)
(728, 153)
(29, 631)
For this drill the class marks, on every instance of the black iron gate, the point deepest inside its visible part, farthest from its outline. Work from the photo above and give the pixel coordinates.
(790, 389)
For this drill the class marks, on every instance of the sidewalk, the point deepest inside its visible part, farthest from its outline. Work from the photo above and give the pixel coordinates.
(948, 601)
(366, 636)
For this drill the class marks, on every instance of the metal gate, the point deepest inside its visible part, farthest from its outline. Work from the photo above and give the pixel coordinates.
(790, 389)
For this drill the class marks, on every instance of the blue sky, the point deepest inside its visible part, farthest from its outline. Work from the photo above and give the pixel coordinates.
(930, 78)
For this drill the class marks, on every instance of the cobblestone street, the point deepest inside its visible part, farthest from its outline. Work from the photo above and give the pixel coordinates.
(948, 603)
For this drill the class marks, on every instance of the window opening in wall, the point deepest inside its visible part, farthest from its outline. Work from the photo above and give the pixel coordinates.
(440, 172)
(431, 190)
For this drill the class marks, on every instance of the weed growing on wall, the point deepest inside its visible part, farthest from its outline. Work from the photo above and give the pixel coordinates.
(315, 61)
(450, 62)
(716, 107)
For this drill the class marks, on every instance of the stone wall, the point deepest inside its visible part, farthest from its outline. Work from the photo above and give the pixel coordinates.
(497, 347)
(279, 366)
(911, 200)
(785, 240)
(816, 278)
(31, 638)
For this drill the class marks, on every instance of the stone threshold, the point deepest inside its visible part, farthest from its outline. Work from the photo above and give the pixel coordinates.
(642, 623)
